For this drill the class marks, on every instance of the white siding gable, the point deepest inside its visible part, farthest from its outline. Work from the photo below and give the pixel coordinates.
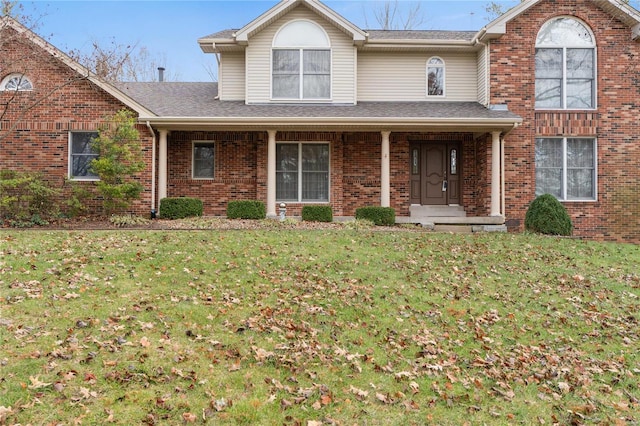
(258, 60)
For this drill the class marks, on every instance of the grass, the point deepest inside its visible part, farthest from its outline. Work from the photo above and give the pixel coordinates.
(316, 327)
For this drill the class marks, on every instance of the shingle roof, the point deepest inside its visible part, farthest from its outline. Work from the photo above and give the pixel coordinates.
(386, 35)
(420, 35)
(177, 100)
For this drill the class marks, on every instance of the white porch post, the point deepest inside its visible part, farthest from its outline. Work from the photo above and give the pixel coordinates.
(385, 172)
(271, 174)
(162, 166)
(495, 173)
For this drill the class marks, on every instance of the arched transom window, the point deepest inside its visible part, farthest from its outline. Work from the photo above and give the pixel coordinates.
(435, 77)
(565, 65)
(301, 62)
(16, 82)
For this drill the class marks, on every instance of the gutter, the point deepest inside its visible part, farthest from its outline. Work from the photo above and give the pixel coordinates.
(153, 169)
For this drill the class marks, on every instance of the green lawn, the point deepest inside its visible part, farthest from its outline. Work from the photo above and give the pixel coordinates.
(335, 327)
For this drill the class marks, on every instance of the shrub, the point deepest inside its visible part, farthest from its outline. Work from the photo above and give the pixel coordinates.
(246, 209)
(180, 207)
(546, 215)
(377, 215)
(317, 213)
(125, 220)
(24, 195)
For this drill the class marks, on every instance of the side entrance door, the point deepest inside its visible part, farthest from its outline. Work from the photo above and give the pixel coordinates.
(435, 173)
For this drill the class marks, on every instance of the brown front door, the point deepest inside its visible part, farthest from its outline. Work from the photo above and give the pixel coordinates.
(435, 173)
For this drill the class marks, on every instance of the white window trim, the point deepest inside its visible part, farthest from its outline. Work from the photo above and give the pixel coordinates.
(300, 143)
(444, 77)
(564, 198)
(70, 163)
(327, 47)
(193, 158)
(564, 48)
(8, 78)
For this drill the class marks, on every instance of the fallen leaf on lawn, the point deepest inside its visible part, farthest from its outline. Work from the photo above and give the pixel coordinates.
(144, 342)
(36, 383)
(314, 423)
(4, 413)
(189, 417)
(359, 393)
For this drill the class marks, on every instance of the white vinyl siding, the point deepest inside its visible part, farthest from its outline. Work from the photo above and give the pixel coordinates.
(483, 96)
(258, 60)
(402, 76)
(232, 76)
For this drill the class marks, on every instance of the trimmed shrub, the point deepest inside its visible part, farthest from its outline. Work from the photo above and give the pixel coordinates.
(180, 207)
(246, 209)
(546, 215)
(317, 213)
(379, 215)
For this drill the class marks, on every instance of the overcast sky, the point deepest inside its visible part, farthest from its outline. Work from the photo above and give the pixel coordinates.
(170, 29)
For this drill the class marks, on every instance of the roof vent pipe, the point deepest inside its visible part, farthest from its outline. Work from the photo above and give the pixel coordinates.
(160, 74)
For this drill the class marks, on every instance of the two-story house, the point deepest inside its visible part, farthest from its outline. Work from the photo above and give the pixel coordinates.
(446, 127)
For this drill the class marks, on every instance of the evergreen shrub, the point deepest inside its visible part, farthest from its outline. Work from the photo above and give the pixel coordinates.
(546, 215)
(180, 207)
(313, 213)
(380, 216)
(246, 209)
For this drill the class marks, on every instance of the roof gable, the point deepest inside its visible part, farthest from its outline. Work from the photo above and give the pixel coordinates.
(84, 72)
(284, 6)
(616, 8)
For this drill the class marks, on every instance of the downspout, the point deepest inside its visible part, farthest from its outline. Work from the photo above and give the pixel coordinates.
(504, 180)
(217, 97)
(153, 171)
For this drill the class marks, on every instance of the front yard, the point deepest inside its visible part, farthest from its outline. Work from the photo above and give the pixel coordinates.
(312, 327)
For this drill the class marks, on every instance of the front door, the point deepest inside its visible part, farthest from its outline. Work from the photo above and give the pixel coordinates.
(435, 173)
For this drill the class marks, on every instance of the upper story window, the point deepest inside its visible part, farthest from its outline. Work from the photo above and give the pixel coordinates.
(16, 82)
(81, 154)
(301, 62)
(435, 77)
(565, 65)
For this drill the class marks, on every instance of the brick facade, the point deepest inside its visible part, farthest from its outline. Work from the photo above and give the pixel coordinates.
(35, 124)
(616, 213)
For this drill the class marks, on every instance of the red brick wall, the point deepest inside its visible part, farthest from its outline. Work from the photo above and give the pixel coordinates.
(616, 213)
(35, 125)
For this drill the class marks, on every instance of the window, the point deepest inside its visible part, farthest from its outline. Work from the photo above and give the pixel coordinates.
(435, 77)
(566, 168)
(16, 82)
(301, 62)
(81, 155)
(565, 66)
(302, 172)
(203, 160)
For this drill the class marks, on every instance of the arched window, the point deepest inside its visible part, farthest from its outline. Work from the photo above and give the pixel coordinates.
(435, 77)
(16, 82)
(301, 62)
(565, 65)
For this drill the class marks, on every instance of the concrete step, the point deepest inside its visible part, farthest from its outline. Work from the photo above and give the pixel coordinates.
(437, 211)
(455, 229)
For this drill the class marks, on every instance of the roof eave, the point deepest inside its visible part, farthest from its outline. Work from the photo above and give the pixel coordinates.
(336, 123)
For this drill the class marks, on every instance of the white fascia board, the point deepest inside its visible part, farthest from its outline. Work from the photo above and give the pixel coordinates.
(243, 34)
(395, 123)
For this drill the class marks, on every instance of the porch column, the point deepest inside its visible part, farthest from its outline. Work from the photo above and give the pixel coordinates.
(495, 173)
(385, 180)
(271, 174)
(162, 165)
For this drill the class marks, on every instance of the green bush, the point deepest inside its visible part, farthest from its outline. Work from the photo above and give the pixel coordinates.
(377, 215)
(546, 215)
(180, 207)
(25, 195)
(317, 213)
(246, 209)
